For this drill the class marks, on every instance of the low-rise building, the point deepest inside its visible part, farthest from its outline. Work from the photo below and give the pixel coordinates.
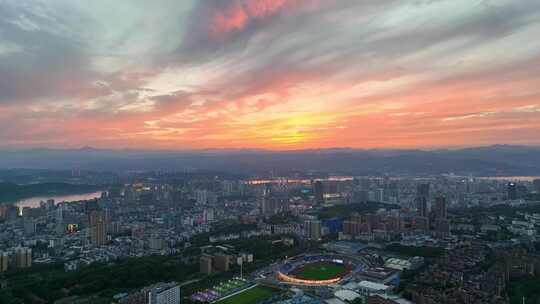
(401, 264)
(367, 289)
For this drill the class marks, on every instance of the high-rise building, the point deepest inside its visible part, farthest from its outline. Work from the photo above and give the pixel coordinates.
(49, 204)
(318, 191)
(512, 191)
(221, 262)
(442, 226)
(165, 293)
(23, 257)
(9, 212)
(536, 184)
(4, 261)
(204, 197)
(421, 223)
(26, 212)
(201, 197)
(271, 203)
(29, 226)
(90, 206)
(351, 227)
(379, 195)
(205, 264)
(98, 228)
(313, 229)
(267, 206)
(393, 192)
(208, 215)
(229, 187)
(422, 196)
(394, 223)
(421, 206)
(60, 225)
(422, 190)
(3, 212)
(441, 210)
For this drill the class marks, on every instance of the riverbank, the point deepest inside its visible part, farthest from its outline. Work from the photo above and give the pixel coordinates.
(12, 193)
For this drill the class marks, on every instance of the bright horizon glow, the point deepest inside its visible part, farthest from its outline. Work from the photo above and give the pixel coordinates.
(269, 74)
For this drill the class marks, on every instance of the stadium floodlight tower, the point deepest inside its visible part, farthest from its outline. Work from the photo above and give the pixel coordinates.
(242, 269)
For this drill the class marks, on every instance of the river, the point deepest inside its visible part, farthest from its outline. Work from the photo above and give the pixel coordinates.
(33, 202)
(513, 178)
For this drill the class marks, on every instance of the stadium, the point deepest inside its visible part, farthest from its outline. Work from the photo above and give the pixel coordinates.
(319, 269)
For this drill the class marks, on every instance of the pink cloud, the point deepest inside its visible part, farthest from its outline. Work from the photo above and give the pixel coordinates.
(239, 14)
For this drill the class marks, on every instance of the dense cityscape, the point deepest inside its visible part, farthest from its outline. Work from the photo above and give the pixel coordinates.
(288, 239)
(269, 152)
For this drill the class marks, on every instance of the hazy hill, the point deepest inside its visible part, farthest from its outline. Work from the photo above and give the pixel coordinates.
(492, 160)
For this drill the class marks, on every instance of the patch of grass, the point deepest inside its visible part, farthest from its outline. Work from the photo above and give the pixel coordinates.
(321, 271)
(527, 288)
(251, 296)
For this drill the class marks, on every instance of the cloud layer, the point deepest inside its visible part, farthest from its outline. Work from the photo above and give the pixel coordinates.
(276, 74)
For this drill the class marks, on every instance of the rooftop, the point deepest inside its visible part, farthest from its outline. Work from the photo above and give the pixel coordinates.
(373, 285)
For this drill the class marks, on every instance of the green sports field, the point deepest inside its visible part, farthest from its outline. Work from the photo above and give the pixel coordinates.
(320, 271)
(251, 296)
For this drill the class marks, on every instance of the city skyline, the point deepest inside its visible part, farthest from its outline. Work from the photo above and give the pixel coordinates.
(274, 75)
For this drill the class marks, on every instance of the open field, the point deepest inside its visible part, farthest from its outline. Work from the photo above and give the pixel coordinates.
(320, 271)
(251, 296)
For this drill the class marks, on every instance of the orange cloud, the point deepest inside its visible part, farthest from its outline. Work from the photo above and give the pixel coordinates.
(345, 77)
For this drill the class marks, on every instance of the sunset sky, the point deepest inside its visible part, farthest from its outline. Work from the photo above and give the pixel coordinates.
(271, 74)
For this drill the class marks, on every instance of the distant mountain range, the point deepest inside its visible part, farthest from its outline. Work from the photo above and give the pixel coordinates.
(497, 160)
